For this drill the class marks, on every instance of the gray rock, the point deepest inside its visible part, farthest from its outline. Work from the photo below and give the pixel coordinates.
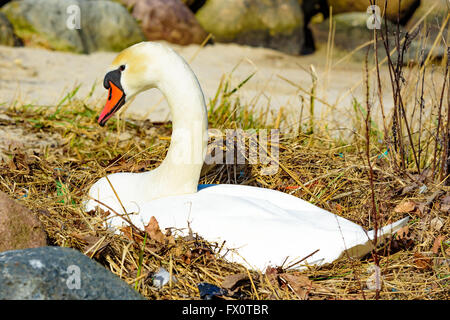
(81, 26)
(276, 24)
(407, 7)
(7, 35)
(352, 32)
(56, 273)
(168, 20)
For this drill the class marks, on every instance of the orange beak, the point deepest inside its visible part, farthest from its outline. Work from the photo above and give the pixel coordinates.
(116, 99)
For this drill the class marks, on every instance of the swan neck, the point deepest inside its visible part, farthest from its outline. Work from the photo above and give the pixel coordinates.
(180, 170)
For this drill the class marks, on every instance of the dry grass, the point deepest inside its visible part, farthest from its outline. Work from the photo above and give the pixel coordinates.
(326, 169)
(54, 183)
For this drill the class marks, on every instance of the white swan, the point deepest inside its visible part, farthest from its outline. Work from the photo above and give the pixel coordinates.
(266, 226)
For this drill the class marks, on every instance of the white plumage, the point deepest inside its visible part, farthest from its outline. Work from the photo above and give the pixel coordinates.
(265, 226)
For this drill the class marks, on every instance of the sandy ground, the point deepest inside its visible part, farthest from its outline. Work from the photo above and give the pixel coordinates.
(38, 76)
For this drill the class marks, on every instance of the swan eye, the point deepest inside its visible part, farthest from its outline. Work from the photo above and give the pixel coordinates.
(122, 67)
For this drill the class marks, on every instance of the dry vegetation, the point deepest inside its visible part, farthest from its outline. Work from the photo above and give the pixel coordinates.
(406, 175)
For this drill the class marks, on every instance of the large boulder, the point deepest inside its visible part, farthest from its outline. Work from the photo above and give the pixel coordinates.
(7, 35)
(56, 273)
(19, 228)
(276, 24)
(407, 7)
(169, 20)
(352, 32)
(81, 26)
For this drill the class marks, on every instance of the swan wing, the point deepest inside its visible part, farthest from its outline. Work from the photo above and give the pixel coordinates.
(266, 227)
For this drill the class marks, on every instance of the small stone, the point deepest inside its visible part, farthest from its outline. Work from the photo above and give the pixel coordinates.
(161, 278)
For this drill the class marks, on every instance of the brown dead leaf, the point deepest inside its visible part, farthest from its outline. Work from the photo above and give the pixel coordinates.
(12, 165)
(437, 223)
(446, 199)
(402, 233)
(154, 232)
(169, 237)
(127, 232)
(178, 252)
(405, 207)
(194, 254)
(117, 164)
(198, 252)
(21, 162)
(423, 263)
(299, 284)
(409, 188)
(272, 275)
(338, 208)
(132, 236)
(137, 167)
(445, 207)
(187, 257)
(424, 207)
(95, 245)
(233, 281)
(170, 240)
(437, 243)
(120, 165)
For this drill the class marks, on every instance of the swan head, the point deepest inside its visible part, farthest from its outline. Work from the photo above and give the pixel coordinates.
(134, 70)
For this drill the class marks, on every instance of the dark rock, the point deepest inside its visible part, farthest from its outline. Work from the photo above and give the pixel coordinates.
(276, 24)
(352, 32)
(311, 8)
(56, 273)
(81, 26)
(3, 2)
(407, 8)
(7, 35)
(19, 228)
(194, 5)
(168, 20)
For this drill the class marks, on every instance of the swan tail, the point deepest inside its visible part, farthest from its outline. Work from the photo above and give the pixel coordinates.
(388, 230)
(361, 249)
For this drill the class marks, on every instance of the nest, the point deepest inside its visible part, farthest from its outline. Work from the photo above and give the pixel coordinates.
(52, 179)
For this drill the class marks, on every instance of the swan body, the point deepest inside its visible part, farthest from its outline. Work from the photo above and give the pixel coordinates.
(265, 227)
